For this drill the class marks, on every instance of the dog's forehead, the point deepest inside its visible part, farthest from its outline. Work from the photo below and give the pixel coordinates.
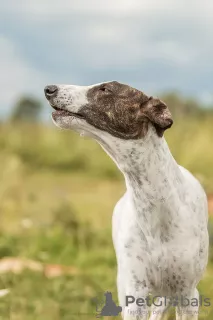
(115, 86)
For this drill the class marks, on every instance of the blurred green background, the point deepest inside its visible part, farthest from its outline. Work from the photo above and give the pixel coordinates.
(57, 195)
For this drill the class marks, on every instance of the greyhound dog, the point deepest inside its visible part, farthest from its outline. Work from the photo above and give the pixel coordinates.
(160, 224)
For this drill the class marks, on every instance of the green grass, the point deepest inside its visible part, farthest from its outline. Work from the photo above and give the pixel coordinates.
(57, 194)
(34, 296)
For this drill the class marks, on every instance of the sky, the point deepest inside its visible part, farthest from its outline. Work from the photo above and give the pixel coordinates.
(153, 45)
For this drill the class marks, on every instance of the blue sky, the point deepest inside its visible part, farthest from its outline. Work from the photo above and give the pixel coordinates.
(155, 46)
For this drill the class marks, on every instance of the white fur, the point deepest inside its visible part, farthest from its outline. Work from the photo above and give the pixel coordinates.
(160, 224)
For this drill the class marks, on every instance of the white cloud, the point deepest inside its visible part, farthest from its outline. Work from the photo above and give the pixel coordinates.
(155, 44)
(54, 8)
(16, 75)
(120, 7)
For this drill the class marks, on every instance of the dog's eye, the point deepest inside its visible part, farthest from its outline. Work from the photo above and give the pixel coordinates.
(104, 89)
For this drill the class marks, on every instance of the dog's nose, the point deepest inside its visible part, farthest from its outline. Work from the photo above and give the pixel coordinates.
(50, 91)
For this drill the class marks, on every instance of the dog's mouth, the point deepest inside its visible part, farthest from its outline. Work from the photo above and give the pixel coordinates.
(62, 112)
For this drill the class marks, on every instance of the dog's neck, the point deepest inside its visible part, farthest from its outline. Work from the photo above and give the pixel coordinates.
(149, 169)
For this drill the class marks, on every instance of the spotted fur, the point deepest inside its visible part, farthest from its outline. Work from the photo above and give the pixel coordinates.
(160, 224)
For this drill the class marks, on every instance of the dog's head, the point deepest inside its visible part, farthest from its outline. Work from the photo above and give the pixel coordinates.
(116, 108)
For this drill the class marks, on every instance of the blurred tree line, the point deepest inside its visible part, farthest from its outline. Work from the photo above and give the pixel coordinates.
(30, 109)
(182, 106)
(27, 109)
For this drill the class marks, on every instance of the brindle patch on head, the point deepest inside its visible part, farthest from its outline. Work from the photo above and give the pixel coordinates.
(122, 111)
(114, 107)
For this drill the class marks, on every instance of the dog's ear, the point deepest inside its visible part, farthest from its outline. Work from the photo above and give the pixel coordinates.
(158, 113)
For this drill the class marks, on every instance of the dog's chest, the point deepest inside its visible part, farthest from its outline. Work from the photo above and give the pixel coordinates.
(132, 240)
(141, 226)
(150, 250)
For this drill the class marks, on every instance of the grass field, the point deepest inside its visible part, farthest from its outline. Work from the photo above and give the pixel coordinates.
(57, 194)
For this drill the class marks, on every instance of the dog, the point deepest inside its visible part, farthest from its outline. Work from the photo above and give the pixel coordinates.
(160, 224)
